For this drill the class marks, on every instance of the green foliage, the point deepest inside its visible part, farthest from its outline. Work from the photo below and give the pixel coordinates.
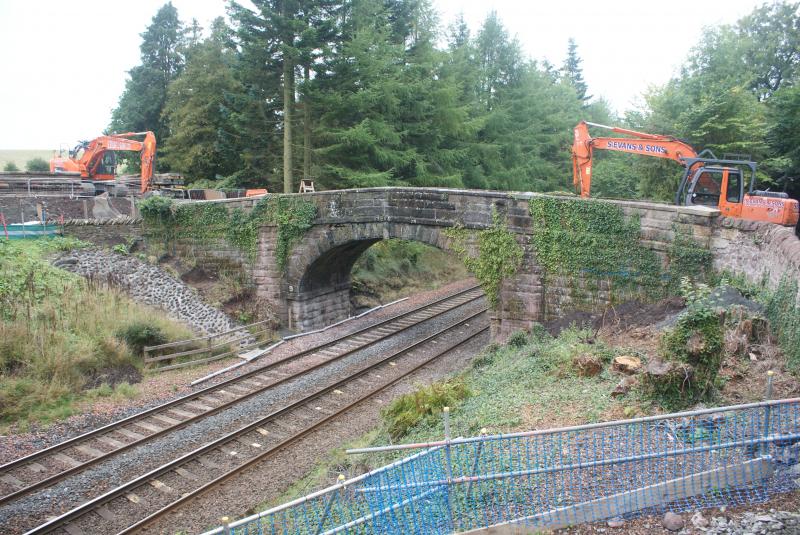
(422, 405)
(37, 165)
(499, 255)
(572, 71)
(141, 334)
(120, 249)
(694, 348)
(595, 241)
(10, 167)
(783, 314)
(687, 258)
(196, 112)
(518, 339)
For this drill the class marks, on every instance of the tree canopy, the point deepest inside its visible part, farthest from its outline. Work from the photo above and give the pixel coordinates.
(377, 92)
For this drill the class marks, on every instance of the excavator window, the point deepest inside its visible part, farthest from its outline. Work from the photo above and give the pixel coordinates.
(734, 193)
(707, 188)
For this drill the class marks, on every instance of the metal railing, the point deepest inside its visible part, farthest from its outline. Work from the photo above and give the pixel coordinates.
(559, 477)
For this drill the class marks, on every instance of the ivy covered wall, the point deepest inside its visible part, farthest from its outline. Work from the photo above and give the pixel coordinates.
(206, 224)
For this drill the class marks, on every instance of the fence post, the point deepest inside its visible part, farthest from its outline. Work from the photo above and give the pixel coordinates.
(475, 463)
(448, 458)
(767, 411)
(339, 481)
(226, 525)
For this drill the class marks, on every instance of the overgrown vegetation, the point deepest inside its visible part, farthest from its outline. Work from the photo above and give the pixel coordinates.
(423, 405)
(201, 222)
(590, 241)
(394, 268)
(592, 246)
(498, 254)
(783, 314)
(692, 353)
(58, 333)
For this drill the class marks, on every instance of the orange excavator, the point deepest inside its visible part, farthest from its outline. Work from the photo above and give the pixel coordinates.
(96, 159)
(706, 181)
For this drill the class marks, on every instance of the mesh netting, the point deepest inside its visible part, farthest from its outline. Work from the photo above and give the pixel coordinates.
(548, 479)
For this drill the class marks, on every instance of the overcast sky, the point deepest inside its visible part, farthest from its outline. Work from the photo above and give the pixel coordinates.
(63, 63)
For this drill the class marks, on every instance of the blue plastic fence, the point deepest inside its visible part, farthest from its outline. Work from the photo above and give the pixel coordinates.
(554, 478)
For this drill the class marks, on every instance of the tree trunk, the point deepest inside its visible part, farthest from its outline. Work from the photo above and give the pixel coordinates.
(288, 105)
(306, 126)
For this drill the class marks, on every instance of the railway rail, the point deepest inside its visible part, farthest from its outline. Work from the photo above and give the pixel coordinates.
(47, 467)
(141, 501)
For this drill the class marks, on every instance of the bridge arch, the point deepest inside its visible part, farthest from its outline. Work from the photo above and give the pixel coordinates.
(317, 280)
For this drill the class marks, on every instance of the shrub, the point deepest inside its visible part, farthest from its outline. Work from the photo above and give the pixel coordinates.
(784, 318)
(692, 354)
(37, 165)
(138, 335)
(120, 249)
(422, 405)
(10, 167)
(518, 339)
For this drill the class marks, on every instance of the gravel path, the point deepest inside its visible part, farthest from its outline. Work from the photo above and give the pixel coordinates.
(34, 509)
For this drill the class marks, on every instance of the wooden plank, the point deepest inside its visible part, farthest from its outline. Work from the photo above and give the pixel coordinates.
(202, 338)
(105, 513)
(183, 472)
(36, 467)
(73, 529)
(90, 451)
(205, 349)
(133, 435)
(198, 406)
(182, 414)
(163, 487)
(66, 460)
(110, 441)
(659, 494)
(13, 481)
(148, 426)
(166, 419)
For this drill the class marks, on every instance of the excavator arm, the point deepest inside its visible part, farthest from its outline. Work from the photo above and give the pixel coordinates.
(639, 143)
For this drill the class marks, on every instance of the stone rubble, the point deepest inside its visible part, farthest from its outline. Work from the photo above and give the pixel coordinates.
(149, 285)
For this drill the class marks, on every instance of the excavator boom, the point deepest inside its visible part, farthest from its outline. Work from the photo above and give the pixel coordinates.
(644, 144)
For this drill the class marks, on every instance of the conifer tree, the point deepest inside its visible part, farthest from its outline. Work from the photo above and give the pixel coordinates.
(573, 72)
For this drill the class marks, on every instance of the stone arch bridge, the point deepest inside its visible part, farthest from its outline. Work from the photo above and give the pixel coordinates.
(313, 290)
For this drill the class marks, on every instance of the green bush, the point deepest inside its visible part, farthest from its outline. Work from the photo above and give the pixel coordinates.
(10, 167)
(424, 404)
(37, 165)
(138, 335)
(518, 339)
(693, 351)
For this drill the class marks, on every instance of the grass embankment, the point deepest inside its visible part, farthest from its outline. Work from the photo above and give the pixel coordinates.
(63, 339)
(391, 269)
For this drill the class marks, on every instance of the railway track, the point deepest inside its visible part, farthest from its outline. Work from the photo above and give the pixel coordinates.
(51, 465)
(139, 502)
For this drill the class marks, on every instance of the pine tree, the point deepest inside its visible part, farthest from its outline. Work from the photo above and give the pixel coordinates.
(201, 145)
(572, 72)
(162, 55)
